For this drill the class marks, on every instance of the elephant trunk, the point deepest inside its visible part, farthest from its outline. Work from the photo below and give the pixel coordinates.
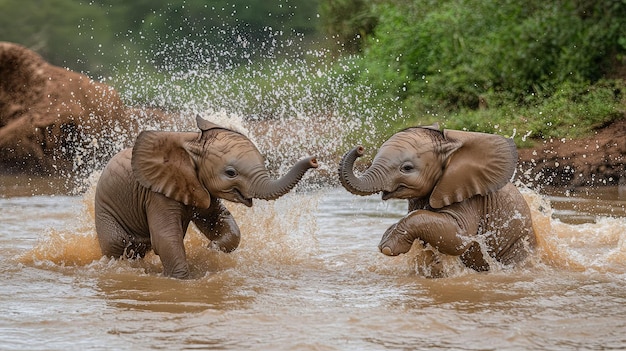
(369, 183)
(268, 189)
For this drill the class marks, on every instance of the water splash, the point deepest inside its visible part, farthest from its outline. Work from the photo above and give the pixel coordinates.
(74, 245)
(590, 246)
(290, 100)
(290, 105)
(285, 236)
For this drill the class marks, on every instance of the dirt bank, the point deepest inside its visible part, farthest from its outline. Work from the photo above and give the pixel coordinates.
(596, 160)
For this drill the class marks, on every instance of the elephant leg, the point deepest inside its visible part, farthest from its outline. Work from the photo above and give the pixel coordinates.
(219, 226)
(440, 230)
(473, 258)
(167, 231)
(115, 241)
(518, 251)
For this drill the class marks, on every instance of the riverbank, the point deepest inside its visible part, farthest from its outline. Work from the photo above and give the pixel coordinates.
(596, 160)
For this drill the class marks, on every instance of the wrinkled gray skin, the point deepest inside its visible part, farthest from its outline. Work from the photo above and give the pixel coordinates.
(459, 193)
(147, 196)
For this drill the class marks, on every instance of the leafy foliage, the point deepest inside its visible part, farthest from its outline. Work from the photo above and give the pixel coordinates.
(447, 59)
(65, 32)
(551, 68)
(458, 50)
(349, 22)
(100, 32)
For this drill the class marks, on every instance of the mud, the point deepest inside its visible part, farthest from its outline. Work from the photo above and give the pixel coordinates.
(596, 160)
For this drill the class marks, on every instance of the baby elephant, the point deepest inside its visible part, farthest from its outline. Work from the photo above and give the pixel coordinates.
(459, 192)
(147, 195)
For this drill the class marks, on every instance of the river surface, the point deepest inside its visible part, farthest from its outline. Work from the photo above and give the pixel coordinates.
(308, 276)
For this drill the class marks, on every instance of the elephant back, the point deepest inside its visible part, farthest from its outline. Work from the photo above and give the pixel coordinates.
(22, 80)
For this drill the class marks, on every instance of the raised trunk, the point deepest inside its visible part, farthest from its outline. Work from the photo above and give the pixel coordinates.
(268, 189)
(367, 184)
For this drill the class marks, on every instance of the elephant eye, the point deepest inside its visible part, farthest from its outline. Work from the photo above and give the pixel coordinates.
(231, 172)
(406, 167)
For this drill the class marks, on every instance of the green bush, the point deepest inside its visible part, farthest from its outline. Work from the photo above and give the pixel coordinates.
(348, 22)
(574, 110)
(454, 51)
(490, 65)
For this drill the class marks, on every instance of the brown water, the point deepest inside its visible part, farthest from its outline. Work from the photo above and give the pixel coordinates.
(308, 276)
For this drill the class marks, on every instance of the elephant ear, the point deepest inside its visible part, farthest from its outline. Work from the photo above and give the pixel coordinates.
(208, 127)
(477, 164)
(434, 126)
(162, 163)
(205, 125)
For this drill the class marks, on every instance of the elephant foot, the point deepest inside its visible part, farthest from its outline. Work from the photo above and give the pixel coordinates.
(387, 251)
(218, 246)
(395, 241)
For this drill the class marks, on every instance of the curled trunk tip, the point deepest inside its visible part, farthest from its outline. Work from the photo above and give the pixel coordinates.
(359, 150)
(364, 185)
(313, 162)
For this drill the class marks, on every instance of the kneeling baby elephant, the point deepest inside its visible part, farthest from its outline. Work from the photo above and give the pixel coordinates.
(147, 196)
(459, 192)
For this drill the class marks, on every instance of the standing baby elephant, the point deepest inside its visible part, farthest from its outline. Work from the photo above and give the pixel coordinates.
(147, 195)
(459, 192)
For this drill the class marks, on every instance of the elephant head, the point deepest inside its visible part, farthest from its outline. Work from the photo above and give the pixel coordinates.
(444, 167)
(192, 167)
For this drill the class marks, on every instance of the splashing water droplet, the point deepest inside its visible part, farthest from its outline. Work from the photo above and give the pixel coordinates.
(292, 102)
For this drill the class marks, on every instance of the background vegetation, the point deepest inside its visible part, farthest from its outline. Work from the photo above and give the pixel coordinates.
(548, 68)
(93, 36)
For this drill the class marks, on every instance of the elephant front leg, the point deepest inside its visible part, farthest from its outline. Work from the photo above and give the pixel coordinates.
(473, 258)
(219, 226)
(167, 231)
(439, 230)
(168, 244)
(171, 251)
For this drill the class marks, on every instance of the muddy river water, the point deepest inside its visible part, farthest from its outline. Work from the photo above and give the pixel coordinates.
(308, 276)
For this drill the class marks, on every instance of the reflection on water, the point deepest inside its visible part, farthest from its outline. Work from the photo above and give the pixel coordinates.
(308, 276)
(586, 204)
(132, 291)
(12, 185)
